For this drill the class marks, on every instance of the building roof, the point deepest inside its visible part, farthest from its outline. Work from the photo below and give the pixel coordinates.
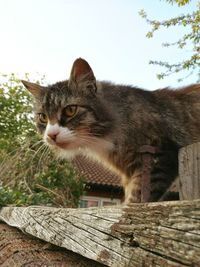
(94, 173)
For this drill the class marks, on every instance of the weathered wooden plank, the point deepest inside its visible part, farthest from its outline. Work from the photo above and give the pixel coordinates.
(189, 172)
(18, 249)
(150, 234)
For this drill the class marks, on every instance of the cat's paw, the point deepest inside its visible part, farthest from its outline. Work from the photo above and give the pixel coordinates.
(134, 197)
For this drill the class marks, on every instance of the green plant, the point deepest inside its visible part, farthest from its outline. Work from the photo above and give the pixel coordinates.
(30, 175)
(191, 39)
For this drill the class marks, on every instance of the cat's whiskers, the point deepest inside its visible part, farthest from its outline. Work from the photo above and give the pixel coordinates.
(36, 144)
(30, 148)
(41, 158)
(111, 123)
(37, 152)
(47, 154)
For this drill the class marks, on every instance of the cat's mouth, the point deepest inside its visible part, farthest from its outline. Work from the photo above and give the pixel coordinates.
(61, 145)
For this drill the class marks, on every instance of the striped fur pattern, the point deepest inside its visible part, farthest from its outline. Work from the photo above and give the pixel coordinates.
(111, 122)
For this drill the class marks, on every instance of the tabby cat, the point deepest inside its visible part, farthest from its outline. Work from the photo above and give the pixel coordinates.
(111, 122)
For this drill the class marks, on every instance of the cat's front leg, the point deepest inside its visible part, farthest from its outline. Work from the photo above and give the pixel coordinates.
(132, 188)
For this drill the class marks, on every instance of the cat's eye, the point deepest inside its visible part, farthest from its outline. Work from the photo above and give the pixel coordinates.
(42, 118)
(71, 110)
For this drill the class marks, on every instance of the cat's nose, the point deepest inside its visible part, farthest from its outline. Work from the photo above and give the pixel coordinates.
(53, 136)
(52, 132)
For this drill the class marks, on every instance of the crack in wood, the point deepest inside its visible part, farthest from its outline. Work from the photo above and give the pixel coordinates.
(51, 240)
(103, 246)
(148, 235)
(109, 234)
(84, 241)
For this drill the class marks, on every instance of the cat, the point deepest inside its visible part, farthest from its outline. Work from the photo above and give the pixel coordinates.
(111, 122)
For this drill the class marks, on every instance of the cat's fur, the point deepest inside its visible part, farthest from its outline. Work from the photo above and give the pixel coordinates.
(114, 121)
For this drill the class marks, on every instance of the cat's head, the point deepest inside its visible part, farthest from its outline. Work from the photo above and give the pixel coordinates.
(70, 114)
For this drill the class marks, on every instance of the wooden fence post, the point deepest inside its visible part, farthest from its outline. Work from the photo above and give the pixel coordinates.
(189, 172)
(147, 153)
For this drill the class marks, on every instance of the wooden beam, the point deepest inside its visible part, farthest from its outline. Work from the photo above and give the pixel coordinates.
(19, 249)
(146, 234)
(189, 172)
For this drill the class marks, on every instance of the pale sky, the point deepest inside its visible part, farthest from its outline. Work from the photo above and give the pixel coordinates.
(46, 36)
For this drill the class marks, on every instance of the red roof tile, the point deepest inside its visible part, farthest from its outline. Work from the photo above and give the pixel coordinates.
(94, 173)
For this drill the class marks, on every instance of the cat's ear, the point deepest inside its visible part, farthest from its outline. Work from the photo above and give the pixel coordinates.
(81, 71)
(35, 89)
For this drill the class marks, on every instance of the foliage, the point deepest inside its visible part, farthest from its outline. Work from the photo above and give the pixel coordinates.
(29, 172)
(178, 2)
(31, 182)
(190, 39)
(16, 120)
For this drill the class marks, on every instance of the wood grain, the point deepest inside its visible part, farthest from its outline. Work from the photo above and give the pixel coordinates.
(18, 249)
(150, 234)
(189, 172)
